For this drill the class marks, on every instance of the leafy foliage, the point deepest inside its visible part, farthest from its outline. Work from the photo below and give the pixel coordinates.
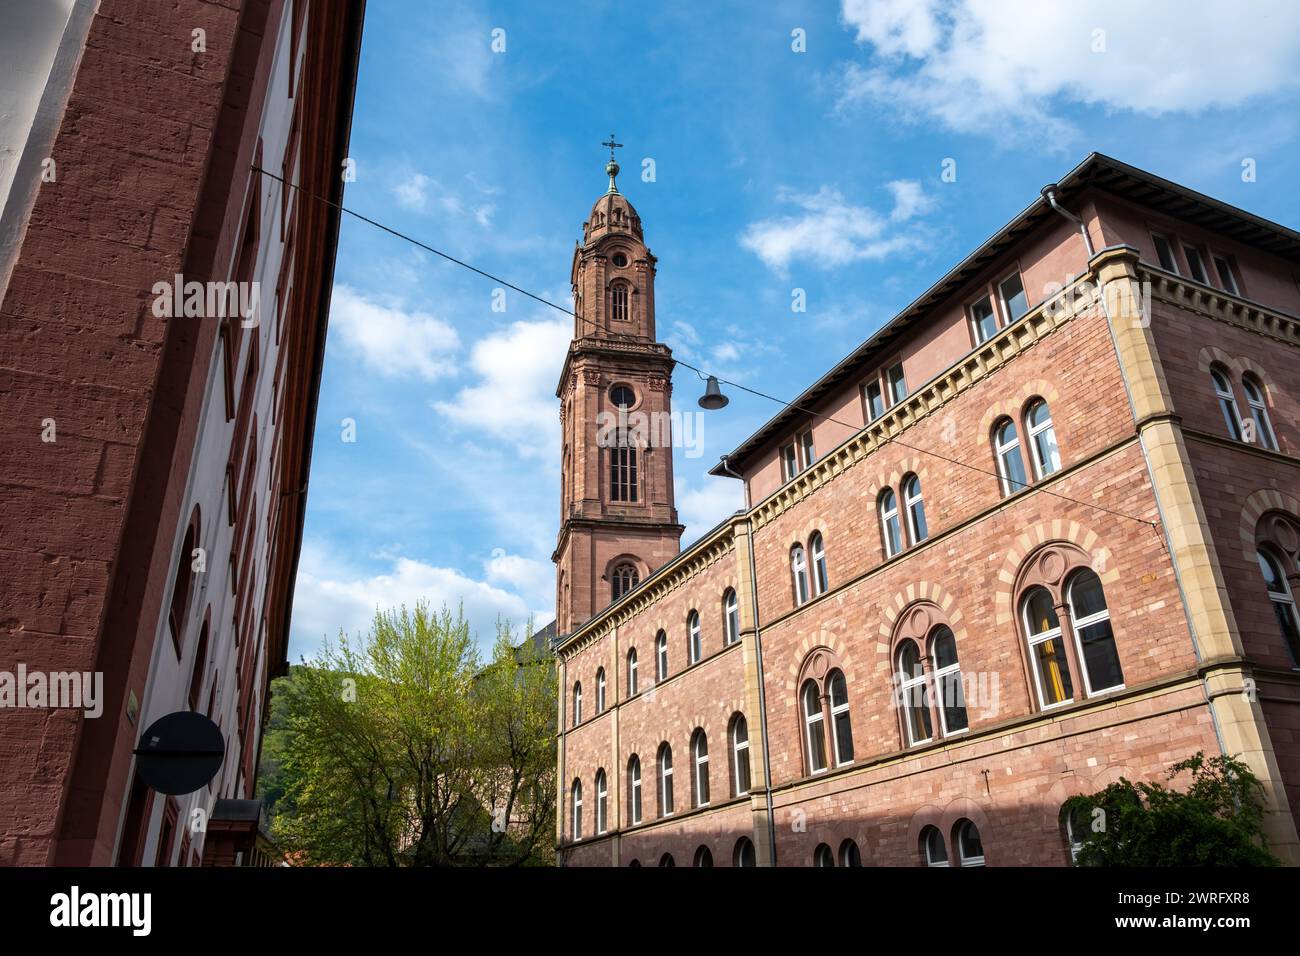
(403, 749)
(1217, 821)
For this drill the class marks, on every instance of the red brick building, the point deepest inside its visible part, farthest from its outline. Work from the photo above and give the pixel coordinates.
(156, 445)
(1040, 531)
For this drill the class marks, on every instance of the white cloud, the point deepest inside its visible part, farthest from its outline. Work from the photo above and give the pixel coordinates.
(514, 399)
(389, 339)
(413, 191)
(330, 597)
(828, 231)
(1003, 67)
(533, 579)
(699, 509)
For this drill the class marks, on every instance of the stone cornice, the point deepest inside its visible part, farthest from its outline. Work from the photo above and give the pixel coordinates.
(1221, 306)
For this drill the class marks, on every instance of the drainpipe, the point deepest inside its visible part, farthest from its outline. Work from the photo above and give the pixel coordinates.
(1049, 193)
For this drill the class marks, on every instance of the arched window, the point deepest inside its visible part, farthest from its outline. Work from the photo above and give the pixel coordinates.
(841, 724)
(577, 810)
(618, 299)
(933, 849)
(178, 611)
(622, 469)
(850, 855)
(577, 703)
(1046, 649)
(1096, 641)
(799, 569)
(947, 680)
(1283, 601)
(814, 728)
(661, 657)
(739, 756)
(700, 758)
(694, 642)
(633, 863)
(1011, 467)
(200, 667)
(1259, 412)
(631, 672)
(822, 856)
(731, 616)
(820, 579)
(667, 860)
(1227, 401)
(665, 764)
(1042, 439)
(622, 397)
(890, 525)
(703, 858)
(623, 579)
(970, 850)
(915, 506)
(633, 790)
(744, 854)
(600, 691)
(602, 802)
(914, 693)
(1077, 824)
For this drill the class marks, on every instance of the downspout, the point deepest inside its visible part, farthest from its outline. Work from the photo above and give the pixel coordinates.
(758, 655)
(1049, 193)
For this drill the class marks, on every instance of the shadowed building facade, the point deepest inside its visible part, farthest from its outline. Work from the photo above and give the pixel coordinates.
(1039, 532)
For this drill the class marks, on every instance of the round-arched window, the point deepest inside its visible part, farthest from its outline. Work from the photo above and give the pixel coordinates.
(620, 260)
(622, 396)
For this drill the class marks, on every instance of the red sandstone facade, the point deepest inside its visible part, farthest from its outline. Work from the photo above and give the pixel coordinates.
(154, 468)
(1139, 538)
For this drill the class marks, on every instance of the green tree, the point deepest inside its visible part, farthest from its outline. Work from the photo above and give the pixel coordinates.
(1217, 821)
(399, 748)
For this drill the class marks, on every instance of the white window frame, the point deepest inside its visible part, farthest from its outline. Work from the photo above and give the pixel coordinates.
(844, 855)
(631, 673)
(731, 616)
(1052, 633)
(1259, 412)
(664, 764)
(977, 331)
(912, 504)
(634, 810)
(1283, 599)
(817, 551)
(823, 856)
(888, 509)
(1077, 624)
(867, 389)
(1227, 402)
(1032, 432)
(813, 715)
(577, 703)
(1002, 450)
(895, 383)
(907, 684)
(799, 570)
(1172, 266)
(789, 461)
(962, 858)
(836, 711)
(600, 691)
(602, 802)
(694, 640)
(701, 762)
(1227, 279)
(930, 861)
(939, 674)
(1002, 298)
(739, 752)
(661, 657)
(575, 820)
(807, 448)
(1195, 258)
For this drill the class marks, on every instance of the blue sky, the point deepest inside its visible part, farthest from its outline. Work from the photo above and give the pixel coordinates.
(774, 170)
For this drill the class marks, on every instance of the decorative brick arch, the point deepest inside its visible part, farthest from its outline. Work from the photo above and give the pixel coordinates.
(1213, 355)
(916, 465)
(1257, 505)
(1013, 407)
(1033, 539)
(815, 657)
(960, 809)
(921, 592)
(917, 621)
(927, 815)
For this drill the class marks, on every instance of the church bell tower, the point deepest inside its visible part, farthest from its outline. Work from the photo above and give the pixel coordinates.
(618, 521)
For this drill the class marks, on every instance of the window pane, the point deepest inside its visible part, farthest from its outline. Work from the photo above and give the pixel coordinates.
(839, 690)
(935, 851)
(945, 649)
(1196, 264)
(969, 840)
(1100, 657)
(917, 702)
(984, 320)
(1040, 612)
(909, 660)
(897, 384)
(1272, 576)
(1165, 253)
(1053, 671)
(875, 401)
(953, 702)
(1013, 296)
(843, 738)
(1086, 595)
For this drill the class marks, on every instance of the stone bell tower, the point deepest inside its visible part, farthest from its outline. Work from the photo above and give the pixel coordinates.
(618, 522)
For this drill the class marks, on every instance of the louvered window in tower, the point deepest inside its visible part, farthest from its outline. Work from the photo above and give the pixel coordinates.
(622, 470)
(620, 303)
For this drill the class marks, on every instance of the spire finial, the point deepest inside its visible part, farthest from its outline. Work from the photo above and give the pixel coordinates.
(612, 166)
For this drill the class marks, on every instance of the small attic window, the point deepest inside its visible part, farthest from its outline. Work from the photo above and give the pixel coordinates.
(620, 260)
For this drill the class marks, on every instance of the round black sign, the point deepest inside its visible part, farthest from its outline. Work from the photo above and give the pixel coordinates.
(180, 752)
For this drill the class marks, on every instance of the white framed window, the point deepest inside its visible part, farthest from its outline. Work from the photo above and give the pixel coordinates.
(823, 857)
(1196, 264)
(1015, 303)
(577, 810)
(814, 728)
(915, 506)
(799, 570)
(891, 525)
(850, 855)
(703, 857)
(897, 384)
(694, 641)
(700, 758)
(1095, 640)
(600, 691)
(1264, 434)
(936, 853)
(1042, 439)
(1077, 825)
(631, 672)
(1227, 401)
(1227, 278)
(740, 755)
(947, 681)
(789, 462)
(1165, 253)
(807, 449)
(634, 790)
(731, 616)
(970, 849)
(1283, 601)
(744, 854)
(983, 320)
(841, 722)
(914, 694)
(577, 703)
(602, 802)
(665, 764)
(1011, 467)
(661, 657)
(874, 400)
(1047, 655)
(820, 579)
